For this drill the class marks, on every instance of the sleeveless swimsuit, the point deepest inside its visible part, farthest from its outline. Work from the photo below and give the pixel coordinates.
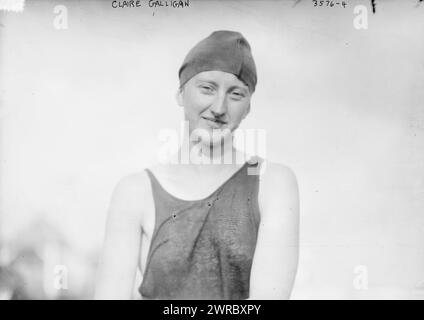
(203, 249)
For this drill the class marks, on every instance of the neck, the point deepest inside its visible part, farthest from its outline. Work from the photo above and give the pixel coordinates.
(201, 155)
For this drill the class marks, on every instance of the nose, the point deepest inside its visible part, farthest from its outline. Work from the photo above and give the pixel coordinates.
(219, 107)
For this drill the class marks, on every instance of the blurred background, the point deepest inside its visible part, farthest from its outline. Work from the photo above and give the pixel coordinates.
(83, 105)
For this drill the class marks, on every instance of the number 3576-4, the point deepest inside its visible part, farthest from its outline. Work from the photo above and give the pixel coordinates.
(328, 3)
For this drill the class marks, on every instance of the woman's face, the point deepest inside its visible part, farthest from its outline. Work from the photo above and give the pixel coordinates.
(214, 100)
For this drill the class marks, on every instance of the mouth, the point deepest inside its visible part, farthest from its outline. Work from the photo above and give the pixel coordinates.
(214, 121)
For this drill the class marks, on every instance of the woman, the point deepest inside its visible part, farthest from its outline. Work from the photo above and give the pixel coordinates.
(206, 231)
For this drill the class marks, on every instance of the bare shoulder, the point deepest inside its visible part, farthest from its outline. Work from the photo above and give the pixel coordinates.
(277, 174)
(130, 197)
(130, 186)
(278, 187)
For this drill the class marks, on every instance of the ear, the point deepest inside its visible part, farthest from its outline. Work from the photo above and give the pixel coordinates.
(179, 97)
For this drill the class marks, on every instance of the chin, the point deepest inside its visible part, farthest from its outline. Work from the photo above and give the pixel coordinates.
(215, 143)
(206, 134)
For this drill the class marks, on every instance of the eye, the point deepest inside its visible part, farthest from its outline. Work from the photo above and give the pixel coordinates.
(206, 89)
(237, 95)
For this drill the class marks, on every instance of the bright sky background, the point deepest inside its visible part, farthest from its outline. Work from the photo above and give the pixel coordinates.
(344, 108)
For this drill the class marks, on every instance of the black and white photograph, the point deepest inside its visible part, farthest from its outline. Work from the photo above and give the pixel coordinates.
(212, 150)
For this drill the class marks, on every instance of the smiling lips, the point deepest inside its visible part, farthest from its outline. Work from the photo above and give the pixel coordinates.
(214, 122)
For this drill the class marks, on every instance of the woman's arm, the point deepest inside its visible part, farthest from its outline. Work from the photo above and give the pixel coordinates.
(276, 256)
(119, 259)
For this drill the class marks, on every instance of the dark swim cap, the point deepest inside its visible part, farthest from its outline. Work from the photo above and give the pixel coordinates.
(223, 50)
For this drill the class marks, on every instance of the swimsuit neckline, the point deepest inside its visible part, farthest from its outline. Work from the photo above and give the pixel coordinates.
(204, 198)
